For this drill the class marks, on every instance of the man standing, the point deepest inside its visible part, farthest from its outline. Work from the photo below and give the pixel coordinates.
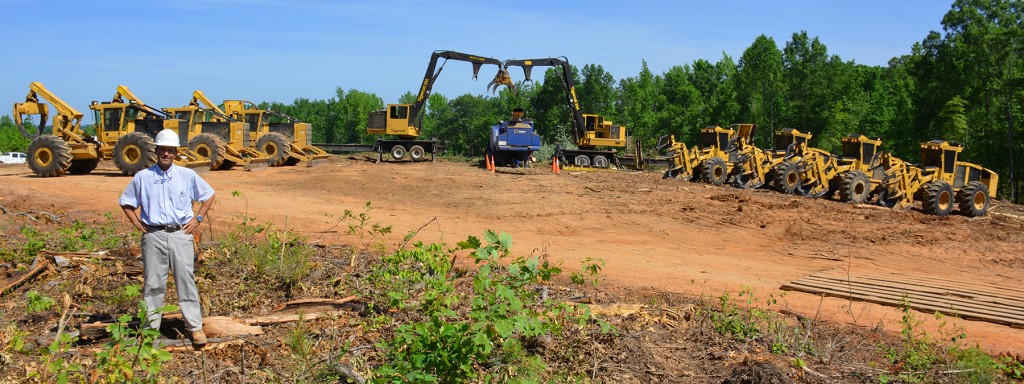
(163, 195)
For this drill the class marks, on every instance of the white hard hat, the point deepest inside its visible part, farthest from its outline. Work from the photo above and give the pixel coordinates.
(167, 138)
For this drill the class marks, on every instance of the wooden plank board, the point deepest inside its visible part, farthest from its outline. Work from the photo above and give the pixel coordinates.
(996, 304)
(950, 284)
(930, 293)
(897, 296)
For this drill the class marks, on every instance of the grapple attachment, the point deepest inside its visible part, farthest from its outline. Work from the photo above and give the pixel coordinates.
(501, 78)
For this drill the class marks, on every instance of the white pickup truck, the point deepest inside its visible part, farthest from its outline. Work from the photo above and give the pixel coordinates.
(12, 158)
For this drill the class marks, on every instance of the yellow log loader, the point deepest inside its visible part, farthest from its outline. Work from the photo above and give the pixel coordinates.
(404, 120)
(941, 182)
(218, 137)
(590, 131)
(855, 175)
(124, 133)
(287, 142)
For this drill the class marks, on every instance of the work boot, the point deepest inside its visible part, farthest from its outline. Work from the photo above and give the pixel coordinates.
(198, 339)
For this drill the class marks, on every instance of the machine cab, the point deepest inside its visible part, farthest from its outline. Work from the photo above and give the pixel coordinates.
(714, 136)
(392, 120)
(860, 148)
(112, 120)
(787, 139)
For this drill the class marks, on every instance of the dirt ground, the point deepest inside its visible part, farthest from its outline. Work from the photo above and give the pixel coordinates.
(653, 234)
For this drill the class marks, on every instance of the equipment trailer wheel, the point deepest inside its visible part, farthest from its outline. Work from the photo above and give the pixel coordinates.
(854, 187)
(397, 152)
(275, 145)
(211, 147)
(973, 199)
(49, 156)
(84, 166)
(787, 177)
(938, 198)
(582, 160)
(600, 162)
(714, 171)
(134, 152)
(416, 153)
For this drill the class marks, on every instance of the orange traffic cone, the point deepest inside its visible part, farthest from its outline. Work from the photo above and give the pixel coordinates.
(554, 166)
(490, 163)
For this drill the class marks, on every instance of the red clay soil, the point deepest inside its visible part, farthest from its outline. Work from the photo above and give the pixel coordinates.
(663, 235)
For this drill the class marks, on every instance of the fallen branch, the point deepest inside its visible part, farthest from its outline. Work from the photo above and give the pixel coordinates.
(3, 209)
(412, 235)
(290, 318)
(1006, 215)
(870, 206)
(305, 302)
(53, 218)
(39, 265)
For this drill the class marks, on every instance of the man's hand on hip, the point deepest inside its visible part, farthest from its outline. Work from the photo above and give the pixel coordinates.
(191, 226)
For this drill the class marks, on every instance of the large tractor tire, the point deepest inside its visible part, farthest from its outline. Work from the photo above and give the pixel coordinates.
(938, 198)
(416, 153)
(786, 177)
(398, 152)
(210, 147)
(134, 152)
(275, 145)
(854, 187)
(49, 156)
(714, 171)
(973, 199)
(83, 166)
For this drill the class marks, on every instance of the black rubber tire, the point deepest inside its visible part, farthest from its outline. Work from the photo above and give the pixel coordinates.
(134, 152)
(398, 152)
(582, 161)
(786, 177)
(714, 171)
(49, 156)
(854, 187)
(938, 198)
(973, 199)
(416, 153)
(82, 167)
(275, 145)
(210, 147)
(600, 162)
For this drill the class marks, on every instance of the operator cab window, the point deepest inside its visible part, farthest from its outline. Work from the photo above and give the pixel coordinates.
(112, 120)
(399, 112)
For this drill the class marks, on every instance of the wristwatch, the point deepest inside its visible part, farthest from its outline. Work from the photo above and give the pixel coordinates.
(199, 218)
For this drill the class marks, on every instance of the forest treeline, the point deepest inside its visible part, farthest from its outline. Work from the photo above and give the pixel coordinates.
(962, 84)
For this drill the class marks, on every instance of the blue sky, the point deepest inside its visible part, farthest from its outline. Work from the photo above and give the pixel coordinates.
(262, 50)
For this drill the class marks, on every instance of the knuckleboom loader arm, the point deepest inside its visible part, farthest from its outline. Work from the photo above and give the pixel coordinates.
(586, 127)
(403, 120)
(68, 120)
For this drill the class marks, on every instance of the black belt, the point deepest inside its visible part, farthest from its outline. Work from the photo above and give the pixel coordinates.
(166, 228)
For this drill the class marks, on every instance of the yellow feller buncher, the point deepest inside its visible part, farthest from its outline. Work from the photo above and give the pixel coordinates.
(710, 162)
(939, 182)
(219, 138)
(855, 174)
(287, 142)
(124, 133)
(789, 148)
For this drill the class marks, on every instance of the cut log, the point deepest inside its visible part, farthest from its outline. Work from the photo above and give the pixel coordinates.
(39, 265)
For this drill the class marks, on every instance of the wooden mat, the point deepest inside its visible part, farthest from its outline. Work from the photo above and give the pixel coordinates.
(967, 300)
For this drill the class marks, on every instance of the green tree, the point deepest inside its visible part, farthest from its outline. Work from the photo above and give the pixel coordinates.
(642, 102)
(760, 88)
(10, 137)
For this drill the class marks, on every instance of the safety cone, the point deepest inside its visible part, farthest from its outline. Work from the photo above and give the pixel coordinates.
(492, 165)
(554, 166)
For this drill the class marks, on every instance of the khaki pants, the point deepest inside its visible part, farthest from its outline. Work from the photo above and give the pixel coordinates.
(170, 251)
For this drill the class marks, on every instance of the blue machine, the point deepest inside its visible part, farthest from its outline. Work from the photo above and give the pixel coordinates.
(514, 141)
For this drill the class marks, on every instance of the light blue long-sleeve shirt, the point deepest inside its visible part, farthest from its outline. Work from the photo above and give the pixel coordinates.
(165, 198)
